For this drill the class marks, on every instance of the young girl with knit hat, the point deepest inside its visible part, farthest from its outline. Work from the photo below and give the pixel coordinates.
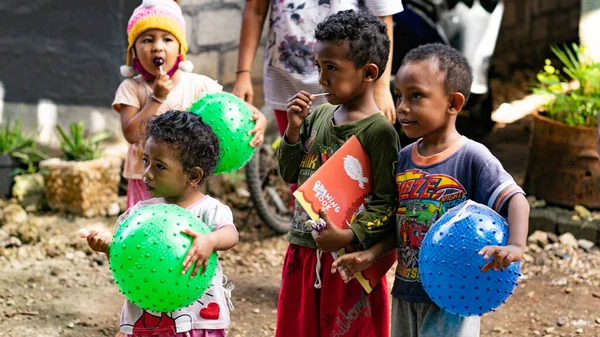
(156, 51)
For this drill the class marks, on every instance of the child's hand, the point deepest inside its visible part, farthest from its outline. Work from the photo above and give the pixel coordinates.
(97, 242)
(298, 108)
(163, 86)
(199, 252)
(502, 256)
(333, 238)
(242, 87)
(352, 263)
(259, 128)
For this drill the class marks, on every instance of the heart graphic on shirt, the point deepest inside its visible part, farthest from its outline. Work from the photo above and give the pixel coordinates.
(211, 311)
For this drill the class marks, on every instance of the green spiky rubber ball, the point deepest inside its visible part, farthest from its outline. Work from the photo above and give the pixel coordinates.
(229, 118)
(146, 258)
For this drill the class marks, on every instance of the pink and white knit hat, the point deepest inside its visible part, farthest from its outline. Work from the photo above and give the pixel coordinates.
(157, 14)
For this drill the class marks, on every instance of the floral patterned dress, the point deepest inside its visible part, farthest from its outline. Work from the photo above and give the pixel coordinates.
(290, 51)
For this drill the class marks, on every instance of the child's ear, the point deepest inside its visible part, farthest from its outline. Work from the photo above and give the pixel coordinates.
(195, 175)
(457, 101)
(371, 72)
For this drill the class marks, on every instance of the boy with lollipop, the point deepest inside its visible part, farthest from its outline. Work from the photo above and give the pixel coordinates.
(439, 171)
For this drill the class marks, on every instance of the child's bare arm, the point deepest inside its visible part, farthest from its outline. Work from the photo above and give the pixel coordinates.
(518, 225)
(382, 94)
(253, 17)
(298, 108)
(361, 260)
(97, 242)
(133, 119)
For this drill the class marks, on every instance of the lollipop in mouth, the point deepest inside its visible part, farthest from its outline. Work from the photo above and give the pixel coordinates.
(158, 61)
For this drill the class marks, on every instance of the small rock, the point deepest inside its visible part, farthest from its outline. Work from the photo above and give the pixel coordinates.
(585, 244)
(536, 333)
(71, 325)
(563, 321)
(580, 330)
(582, 212)
(549, 330)
(70, 256)
(100, 259)
(113, 209)
(581, 322)
(539, 238)
(15, 214)
(242, 192)
(576, 217)
(568, 290)
(598, 320)
(256, 311)
(29, 190)
(596, 294)
(553, 238)
(534, 248)
(3, 235)
(568, 239)
(12, 241)
(499, 330)
(28, 233)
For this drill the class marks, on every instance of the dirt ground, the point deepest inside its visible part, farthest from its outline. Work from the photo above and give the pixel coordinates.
(58, 287)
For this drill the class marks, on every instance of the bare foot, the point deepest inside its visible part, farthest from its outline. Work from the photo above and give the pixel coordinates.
(120, 334)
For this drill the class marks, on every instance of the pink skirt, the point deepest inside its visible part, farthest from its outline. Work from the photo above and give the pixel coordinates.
(191, 333)
(136, 191)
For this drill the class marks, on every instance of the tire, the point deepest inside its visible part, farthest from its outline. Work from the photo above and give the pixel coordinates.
(263, 180)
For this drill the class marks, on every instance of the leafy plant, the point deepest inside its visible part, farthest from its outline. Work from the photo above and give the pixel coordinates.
(17, 144)
(77, 147)
(575, 98)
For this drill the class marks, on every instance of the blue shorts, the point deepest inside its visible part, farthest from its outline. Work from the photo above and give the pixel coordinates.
(416, 319)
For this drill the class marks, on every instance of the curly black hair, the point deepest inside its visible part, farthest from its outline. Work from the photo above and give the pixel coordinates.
(193, 140)
(367, 37)
(458, 75)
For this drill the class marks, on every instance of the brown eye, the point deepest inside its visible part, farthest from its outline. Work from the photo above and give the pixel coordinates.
(397, 98)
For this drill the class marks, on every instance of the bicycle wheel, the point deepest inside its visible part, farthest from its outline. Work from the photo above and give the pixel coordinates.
(269, 193)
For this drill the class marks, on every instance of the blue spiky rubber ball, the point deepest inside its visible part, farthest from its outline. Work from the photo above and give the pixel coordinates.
(450, 264)
(146, 258)
(230, 119)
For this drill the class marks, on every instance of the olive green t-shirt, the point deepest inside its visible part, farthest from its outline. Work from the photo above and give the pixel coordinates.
(319, 139)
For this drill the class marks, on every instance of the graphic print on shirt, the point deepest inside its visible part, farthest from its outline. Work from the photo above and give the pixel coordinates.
(309, 164)
(422, 199)
(151, 323)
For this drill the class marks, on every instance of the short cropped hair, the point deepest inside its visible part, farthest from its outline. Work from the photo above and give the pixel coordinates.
(458, 75)
(366, 34)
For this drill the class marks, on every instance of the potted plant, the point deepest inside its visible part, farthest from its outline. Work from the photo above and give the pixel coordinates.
(16, 149)
(82, 182)
(563, 166)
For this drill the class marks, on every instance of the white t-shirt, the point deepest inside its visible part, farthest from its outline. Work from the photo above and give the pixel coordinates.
(136, 92)
(211, 311)
(289, 54)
